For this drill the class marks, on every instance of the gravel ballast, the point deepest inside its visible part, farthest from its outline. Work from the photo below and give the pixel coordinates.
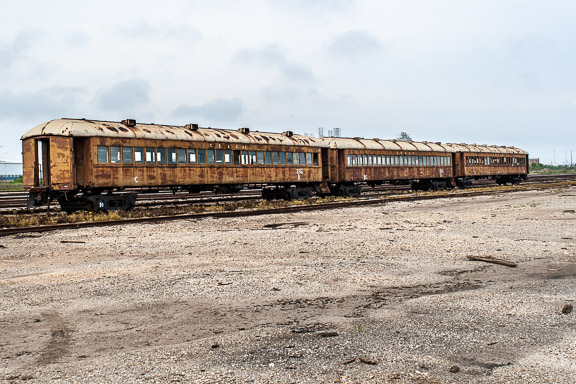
(355, 295)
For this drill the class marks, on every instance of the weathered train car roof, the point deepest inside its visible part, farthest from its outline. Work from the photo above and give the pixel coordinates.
(423, 146)
(94, 128)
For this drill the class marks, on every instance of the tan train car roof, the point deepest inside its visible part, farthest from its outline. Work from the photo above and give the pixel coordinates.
(96, 128)
(93, 128)
(423, 146)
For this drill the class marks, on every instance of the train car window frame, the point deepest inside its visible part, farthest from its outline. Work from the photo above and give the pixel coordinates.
(115, 155)
(181, 157)
(275, 158)
(161, 156)
(315, 159)
(219, 157)
(192, 159)
(260, 157)
(245, 159)
(237, 157)
(102, 154)
(302, 158)
(309, 158)
(296, 158)
(210, 157)
(228, 156)
(267, 158)
(253, 158)
(150, 155)
(201, 156)
(289, 158)
(127, 155)
(139, 155)
(282, 158)
(172, 156)
(354, 160)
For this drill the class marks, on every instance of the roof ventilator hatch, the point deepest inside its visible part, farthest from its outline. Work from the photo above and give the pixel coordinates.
(129, 122)
(193, 127)
(288, 133)
(244, 130)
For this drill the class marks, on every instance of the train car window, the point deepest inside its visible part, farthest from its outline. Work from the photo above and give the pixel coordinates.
(127, 155)
(315, 159)
(253, 159)
(268, 157)
(219, 156)
(161, 155)
(245, 157)
(302, 158)
(309, 158)
(237, 157)
(210, 156)
(275, 158)
(365, 160)
(289, 158)
(448, 161)
(282, 158)
(115, 155)
(228, 156)
(172, 157)
(260, 156)
(201, 156)
(181, 156)
(139, 155)
(296, 158)
(370, 162)
(354, 160)
(192, 156)
(102, 154)
(150, 155)
(349, 159)
(358, 161)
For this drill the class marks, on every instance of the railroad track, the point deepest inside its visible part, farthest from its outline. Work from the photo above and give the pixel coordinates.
(291, 209)
(15, 202)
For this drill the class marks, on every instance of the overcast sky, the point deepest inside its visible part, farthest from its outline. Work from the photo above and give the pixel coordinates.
(477, 71)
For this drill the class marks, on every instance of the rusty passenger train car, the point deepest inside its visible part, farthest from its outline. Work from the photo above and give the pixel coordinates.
(97, 165)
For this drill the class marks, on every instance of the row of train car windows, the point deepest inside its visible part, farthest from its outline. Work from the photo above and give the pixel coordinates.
(385, 160)
(141, 155)
(497, 161)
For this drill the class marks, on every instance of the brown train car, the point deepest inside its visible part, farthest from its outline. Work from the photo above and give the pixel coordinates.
(75, 161)
(502, 164)
(423, 165)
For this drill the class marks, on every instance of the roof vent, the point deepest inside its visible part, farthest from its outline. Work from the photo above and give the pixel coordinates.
(193, 127)
(438, 142)
(244, 130)
(358, 138)
(129, 122)
(376, 139)
(288, 133)
(393, 140)
(424, 142)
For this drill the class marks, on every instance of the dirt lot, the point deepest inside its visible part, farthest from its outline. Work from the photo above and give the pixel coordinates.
(358, 295)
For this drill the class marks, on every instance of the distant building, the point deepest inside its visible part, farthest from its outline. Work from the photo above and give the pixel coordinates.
(10, 171)
(535, 160)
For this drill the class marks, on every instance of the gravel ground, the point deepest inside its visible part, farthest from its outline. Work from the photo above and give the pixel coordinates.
(357, 295)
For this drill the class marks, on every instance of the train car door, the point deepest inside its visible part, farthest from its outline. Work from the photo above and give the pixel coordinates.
(325, 164)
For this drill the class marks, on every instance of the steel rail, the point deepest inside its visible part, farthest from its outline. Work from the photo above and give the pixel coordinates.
(261, 212)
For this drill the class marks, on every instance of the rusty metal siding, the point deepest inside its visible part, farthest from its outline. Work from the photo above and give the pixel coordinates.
(61, 163)
(29, 161)
(478, 170)
(152, 175)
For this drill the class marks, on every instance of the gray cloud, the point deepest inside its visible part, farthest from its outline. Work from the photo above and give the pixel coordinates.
(353, 43)
(272, 56)
(125, 95)
(48, 102)
(315, 6)
(145, 30)
(10, 51)
(220, 110)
